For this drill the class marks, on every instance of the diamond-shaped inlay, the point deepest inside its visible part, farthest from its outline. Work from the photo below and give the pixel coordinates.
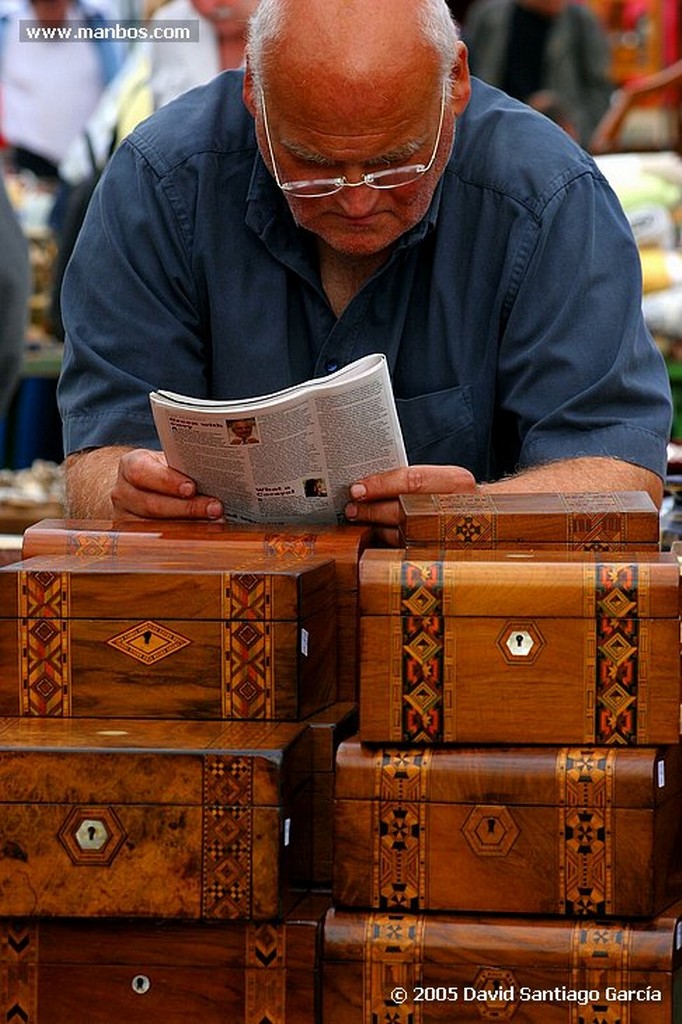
(148, 642)
(44, 630)
(248, 691)
(520, 642)
(617, 699)
(617, 604)
(500, 990)
(248, 580)
(46, 687)
(490, 830)
(423, 647)
(45, 578)
(617, 648)
(421, 602)
(247, 634)
(92, 835)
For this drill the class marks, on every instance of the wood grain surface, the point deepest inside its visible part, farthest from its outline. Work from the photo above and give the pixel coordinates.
(188, 820)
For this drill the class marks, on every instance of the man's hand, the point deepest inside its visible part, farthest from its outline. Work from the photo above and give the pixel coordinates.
(146, 487)
(375, 498)
(126, 483)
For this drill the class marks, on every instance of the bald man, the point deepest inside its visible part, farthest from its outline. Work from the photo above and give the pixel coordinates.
(355, 191)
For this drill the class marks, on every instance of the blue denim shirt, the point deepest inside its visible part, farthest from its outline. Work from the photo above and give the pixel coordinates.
(511, 315)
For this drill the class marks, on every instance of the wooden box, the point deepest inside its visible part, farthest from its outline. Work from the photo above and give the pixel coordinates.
(328, 729)
(168, 819)
(106, 972)
(430, 968)
(149, 540)
(620, 521)
(511, 647)
(522, 830)
(110, 637)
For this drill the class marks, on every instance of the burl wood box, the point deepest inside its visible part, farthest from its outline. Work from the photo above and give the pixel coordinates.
(523, 830)
(153, 540)
(430, 968)
(170, 819)
(511, 647)
(108, 972)
(328, 729)
(111, 637)
(617, 521)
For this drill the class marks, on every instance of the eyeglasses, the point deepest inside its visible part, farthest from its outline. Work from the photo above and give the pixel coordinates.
(394, 177)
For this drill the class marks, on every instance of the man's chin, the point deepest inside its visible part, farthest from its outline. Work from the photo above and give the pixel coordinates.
(358, 240)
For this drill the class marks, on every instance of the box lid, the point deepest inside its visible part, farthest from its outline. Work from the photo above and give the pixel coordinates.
(93, 942)
(91, 761)
(486, 519)
(531, 776)
(551, 944)
(580, 584)
(148, 539)
(245, 586)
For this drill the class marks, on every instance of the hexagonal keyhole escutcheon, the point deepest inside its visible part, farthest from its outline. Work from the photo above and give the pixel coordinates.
(520, 642)
(490, 830)
(92, 835)
(499, 988)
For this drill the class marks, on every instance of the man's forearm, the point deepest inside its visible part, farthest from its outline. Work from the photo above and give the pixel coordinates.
(585, 474)
(90, 476)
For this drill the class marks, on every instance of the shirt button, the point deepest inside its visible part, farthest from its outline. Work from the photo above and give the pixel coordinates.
(331, 365)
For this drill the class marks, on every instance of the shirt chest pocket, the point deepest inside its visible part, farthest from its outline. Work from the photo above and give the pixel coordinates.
(438, 428)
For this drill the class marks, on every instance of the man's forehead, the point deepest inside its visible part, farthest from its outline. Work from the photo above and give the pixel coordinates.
(353, 39)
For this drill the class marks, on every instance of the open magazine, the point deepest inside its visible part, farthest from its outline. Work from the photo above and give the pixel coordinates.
(291, 455)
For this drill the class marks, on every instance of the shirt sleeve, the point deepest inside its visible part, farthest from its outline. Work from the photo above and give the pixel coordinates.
(578, 371)
(130, 309)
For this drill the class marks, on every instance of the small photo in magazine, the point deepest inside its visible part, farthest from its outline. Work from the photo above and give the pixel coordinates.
(315, 487)
(243, 431)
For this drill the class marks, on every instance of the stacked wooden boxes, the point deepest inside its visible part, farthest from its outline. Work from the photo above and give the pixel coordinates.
(507, 826)
(168, 706)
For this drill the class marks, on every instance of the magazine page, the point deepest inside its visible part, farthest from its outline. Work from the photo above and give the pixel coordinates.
(288, 456)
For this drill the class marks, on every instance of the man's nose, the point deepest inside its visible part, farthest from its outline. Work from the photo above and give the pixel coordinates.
(358, 200)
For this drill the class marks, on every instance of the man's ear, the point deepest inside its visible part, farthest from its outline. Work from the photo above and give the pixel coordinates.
(249, 90)
(460, 80)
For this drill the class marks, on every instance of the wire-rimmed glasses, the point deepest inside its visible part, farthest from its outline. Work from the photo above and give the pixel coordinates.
(393, 177)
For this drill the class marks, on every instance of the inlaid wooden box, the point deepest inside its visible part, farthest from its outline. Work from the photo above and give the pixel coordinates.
(328, 729)
(519, 648)
(471, 969)
(617, 521)
(170, 819)
(107, 972)
(152, 540)
(591, 831)
(111, 637)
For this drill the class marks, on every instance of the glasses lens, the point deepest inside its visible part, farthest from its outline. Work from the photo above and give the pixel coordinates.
(395, 177)
(313, 188)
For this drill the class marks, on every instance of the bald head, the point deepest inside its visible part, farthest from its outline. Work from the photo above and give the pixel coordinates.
(350, 41)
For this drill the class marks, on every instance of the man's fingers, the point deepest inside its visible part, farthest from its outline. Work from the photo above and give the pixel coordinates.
(149, 471)
(147, 488)
(376, 513)
(413, 480)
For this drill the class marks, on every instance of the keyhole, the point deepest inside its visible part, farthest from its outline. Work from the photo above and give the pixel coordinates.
(147, 636)
(491, 826)
(92, 832)
(141, 984)
(519, 639)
